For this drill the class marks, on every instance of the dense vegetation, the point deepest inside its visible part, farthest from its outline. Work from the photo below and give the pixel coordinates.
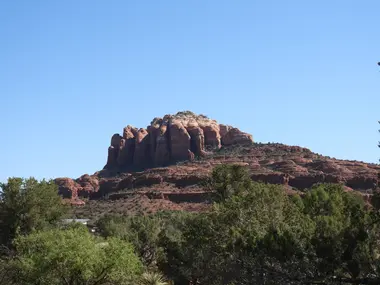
(255, 234)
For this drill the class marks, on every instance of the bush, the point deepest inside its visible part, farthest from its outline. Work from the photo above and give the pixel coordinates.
(27, 205)
(73, 256)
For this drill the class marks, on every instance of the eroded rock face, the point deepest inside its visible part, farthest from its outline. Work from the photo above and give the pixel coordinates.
(127, 147)
(170, 139)
(154, 132)
(113, 151)
(195, 141)
(224, 129)
(142, 155)
(112, 157)
(67, 187)
(88, 184)
(84, 186)
(115, 140)
(293, 167)
(212, 136)
(190, 155)
(162, 155)
(235, 136)
(129, 132)
(179, 141)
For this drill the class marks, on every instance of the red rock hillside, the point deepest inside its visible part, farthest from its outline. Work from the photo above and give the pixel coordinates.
(166, 163)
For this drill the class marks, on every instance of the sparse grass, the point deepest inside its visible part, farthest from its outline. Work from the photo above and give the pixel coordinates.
(185, 114)
(152, 278)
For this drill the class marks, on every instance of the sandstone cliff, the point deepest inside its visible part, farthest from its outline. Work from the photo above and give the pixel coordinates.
(171, 139)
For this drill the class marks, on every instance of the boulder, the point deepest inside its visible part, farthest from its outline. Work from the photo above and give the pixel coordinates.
(190, 155)
(235, 136)
(129, 132)
(106, 186)
(67, 187)
(89, 184)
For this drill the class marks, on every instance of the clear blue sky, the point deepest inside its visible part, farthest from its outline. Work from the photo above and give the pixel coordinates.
(73, 72)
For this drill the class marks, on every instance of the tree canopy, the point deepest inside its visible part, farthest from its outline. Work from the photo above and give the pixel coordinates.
(254, 233)
(27, 205)
(73, 256)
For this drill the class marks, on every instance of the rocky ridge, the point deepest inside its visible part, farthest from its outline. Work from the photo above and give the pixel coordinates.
(174, 155)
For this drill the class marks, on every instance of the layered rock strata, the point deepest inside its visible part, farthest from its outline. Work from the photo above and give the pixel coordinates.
(135, 157)
(170, 139)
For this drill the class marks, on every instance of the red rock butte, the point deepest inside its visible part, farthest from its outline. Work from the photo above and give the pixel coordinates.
(170, 139)
(175, 155)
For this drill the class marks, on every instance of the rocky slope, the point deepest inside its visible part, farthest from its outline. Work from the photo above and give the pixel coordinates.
(169, 160)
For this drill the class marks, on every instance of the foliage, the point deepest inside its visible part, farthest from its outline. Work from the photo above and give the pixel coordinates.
(232, 240)
(149, 235)
(73, 256)
(257, 234)
(228, 180)
(254, 234)
(185, 113)
(6, 272)
(141, 231)
(152, 278)
(342, 239)
(27, 205)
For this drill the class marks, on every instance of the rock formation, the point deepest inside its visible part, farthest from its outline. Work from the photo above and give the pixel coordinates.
(235, 136)
(175, 154)
(142, 154)
(84, 186)
(170, 139)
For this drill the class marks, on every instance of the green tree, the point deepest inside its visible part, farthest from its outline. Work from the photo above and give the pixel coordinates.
(73, 257)
(154, 237)
(251, 237)
(6, 272)
(27, 205)
(345, 243)
(228, 180)
(257, 234)
(141, 231)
